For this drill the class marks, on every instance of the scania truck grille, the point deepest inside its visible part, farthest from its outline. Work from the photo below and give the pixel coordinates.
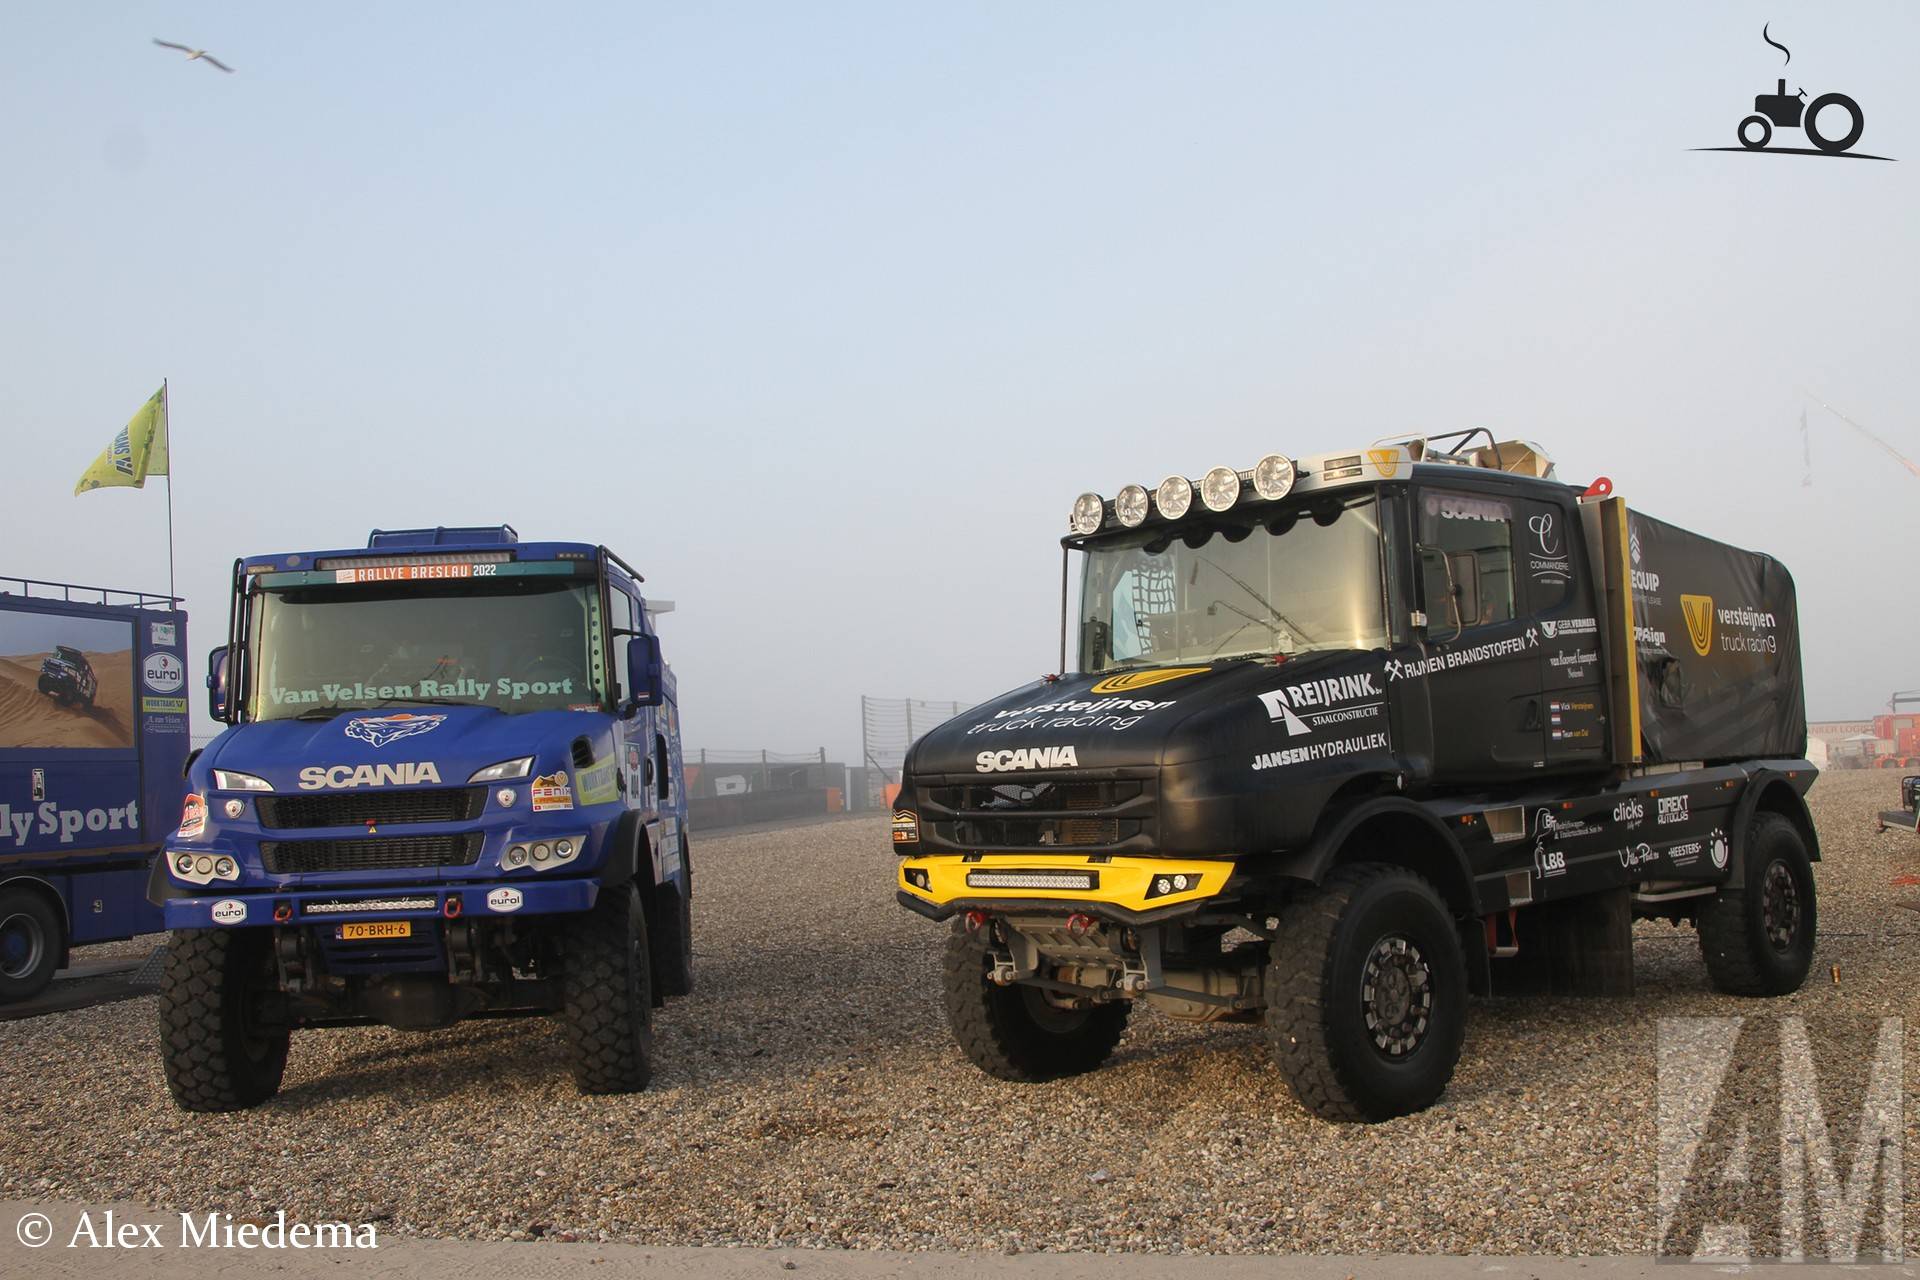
(1041, 814)
(357, 809)
(292, 857)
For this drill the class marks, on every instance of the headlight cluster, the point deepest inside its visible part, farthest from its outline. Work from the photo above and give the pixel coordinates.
(202, 868)
(504, 771)
(543, 854)
(1270, 480)
(228, 780)
(1167, 883)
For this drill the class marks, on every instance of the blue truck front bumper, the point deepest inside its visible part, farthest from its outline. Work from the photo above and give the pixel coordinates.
(309, 906)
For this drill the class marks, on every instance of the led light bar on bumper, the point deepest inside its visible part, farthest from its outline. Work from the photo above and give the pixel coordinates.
(1132, 885)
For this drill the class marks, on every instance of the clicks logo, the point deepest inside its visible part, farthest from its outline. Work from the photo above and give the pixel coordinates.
(1832, 122)
(1698, 611)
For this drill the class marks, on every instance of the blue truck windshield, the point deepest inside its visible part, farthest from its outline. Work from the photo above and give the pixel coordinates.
(518, 644)
(1304, 577)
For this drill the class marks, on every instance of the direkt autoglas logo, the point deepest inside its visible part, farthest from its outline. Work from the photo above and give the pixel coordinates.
(1832, 122)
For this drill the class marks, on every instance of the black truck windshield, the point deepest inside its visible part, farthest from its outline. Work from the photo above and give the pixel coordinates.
(515, 644)
(1303, 577)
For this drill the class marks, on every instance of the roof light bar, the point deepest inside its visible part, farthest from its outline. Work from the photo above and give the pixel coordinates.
(1130, 506)
(1220, 488)
(1174, 497)
(1089, 510)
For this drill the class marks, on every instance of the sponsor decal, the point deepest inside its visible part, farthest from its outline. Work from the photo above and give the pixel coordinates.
(1574, 665)
(1672, 809)
(1561, 628)
(1386, 462)
(1635, 856)
(1345, 467)
(1459, 506)
(505, 899)
(597, 785)
(378, 731)
(1313, 704)
(1745, 618)
(1141, 679)
(39, 784)
(669, 847)
(229, 911)
(1026, 758)
(412, 572)
(1103, 713)
(1320, 751)
(1629, 811)
(163, 706)
(1470, 656)
(1698, 611)
(47, 818)
(163, 673)
(408, 774)
(906, 827)
(460, 688)
(1548, 863)
(1548, 562)
(193, 817)
(1549, 828)
(164, 633)
(1718, 849)
(1685, 855)
(552, 791)
(1649, 637)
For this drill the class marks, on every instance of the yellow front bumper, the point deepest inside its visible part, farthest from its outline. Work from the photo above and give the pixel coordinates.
(1134, 885)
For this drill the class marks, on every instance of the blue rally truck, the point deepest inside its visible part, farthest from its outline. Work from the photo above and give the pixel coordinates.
(93, 734)
(450, 788)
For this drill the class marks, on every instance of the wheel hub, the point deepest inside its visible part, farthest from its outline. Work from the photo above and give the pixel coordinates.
(1396, 996)
(1780, 907)
(20, 946)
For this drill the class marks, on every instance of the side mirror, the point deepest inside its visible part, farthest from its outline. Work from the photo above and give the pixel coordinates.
(645, 671)
(217, 683)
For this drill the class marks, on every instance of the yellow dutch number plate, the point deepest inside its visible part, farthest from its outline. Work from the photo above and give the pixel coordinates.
(376, 929)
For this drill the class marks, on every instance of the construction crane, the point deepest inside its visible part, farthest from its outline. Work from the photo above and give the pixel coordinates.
(1806, 446)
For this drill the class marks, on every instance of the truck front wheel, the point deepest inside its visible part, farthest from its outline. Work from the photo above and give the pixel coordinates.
(1367, 995)
(1016, 1032)
(216, 1054)
(1758, 939)
(609, 995)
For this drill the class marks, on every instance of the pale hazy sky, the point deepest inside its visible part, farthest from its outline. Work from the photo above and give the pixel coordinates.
(821, 314)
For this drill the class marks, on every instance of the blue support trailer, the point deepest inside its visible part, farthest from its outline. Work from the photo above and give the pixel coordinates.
(93, 749)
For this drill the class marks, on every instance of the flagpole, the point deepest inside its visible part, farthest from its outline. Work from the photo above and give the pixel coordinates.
(166, 415)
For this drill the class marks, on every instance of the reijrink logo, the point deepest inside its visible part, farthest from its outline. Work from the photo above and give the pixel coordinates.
(1833, 122)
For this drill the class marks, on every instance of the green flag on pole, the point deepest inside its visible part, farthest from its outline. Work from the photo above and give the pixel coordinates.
(139, 451)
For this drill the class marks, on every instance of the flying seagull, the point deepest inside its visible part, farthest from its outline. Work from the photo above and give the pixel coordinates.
(193, 55)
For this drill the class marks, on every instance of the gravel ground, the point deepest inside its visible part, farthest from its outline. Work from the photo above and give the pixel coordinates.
(809, 1095)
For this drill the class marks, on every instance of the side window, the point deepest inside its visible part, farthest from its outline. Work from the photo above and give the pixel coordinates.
(621, 605)
(663, 776)
(1466, 560)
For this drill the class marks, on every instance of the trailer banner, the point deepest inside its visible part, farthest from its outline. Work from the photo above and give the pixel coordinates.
(1717, 648)
(66, 680)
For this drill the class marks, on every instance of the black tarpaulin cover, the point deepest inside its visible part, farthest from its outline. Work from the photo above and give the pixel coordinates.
(1717, 640)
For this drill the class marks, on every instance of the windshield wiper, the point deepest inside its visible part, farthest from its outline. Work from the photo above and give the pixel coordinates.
(325, 713)
(436, 702)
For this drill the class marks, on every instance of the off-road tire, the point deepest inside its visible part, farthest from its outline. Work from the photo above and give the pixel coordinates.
(1014, 1033)
(1741, 958)
(214, 1059)
(609, 995)
(31, 939)
(673, 933)
(1316, 1014)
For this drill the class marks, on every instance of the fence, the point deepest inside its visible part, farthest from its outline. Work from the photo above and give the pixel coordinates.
(729, 788)
(888, 726)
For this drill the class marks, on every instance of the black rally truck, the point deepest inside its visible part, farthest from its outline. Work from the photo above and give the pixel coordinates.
(1351, 737)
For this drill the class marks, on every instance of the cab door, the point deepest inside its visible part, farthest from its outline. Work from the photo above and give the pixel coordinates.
(1480, 649)
(1557, 583)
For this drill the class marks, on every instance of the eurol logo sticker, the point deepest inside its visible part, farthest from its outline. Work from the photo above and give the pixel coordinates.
(378, 731)
(229, 911)
(505, 899)
(163, 673)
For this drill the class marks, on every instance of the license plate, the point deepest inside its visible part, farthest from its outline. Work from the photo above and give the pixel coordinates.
(374, 929)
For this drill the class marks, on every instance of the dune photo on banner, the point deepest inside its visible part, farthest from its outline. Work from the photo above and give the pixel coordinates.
(64, 682)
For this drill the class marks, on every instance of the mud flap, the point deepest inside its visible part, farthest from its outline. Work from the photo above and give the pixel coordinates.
(1582, 947)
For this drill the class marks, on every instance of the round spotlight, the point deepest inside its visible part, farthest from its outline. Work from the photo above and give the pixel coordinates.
(1088, 512)
(203, 865)
(1273, 477)
(541, 853)
(1130, 504)
(184, 864)
(1220, 488)
(516, 856)
(224, 867)
(563, 848)
(1174, 496)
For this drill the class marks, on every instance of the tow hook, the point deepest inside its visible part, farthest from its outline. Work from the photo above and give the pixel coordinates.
(1003, 971)
(1080, 923)
(977, 920)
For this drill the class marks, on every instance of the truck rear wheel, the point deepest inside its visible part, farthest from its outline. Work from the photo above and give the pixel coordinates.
(1016, 1033)
(1758, 939)
(609, 995)
(216, 1054)
(1367, 995)
(29, 944)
